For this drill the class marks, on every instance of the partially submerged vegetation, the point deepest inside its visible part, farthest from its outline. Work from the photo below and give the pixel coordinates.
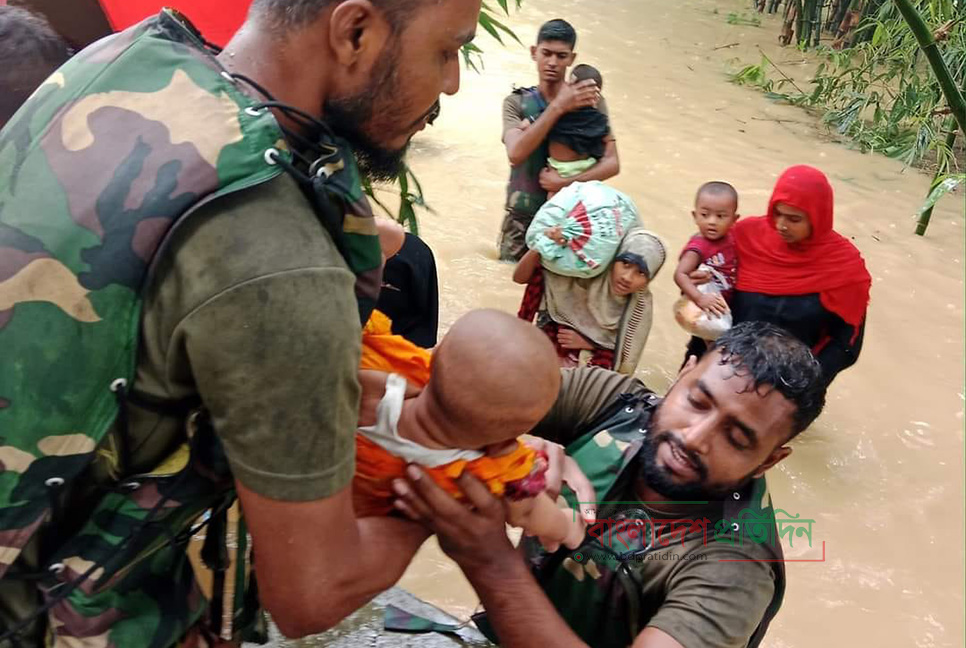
(889, 77)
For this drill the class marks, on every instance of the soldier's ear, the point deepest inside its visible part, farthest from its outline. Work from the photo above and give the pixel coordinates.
(688, 366)
(358, 33)
(777, 455)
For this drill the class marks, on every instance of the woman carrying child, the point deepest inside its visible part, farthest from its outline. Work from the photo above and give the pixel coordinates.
(603, 321)
(795, 271)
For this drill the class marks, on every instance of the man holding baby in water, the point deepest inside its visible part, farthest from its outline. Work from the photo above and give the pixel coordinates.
(530, 118)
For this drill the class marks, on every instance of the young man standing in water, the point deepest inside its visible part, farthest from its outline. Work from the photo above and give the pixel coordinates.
(141, 387)
(689, 466)
(528, 116)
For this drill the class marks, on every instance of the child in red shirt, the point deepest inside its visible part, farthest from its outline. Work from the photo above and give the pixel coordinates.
(715, 211)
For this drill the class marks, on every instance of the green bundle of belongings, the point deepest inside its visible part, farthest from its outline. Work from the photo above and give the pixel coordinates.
(591, 218)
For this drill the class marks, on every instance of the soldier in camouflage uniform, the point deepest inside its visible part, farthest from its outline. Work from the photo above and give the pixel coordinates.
(685, 550)
(528, 116)
(186, 257)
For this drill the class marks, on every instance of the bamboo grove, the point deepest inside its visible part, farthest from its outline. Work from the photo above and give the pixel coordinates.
(890, 76)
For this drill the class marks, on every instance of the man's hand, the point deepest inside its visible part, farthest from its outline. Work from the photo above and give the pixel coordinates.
(574, 96)
(473, 536)
(571, 339)
(564, 470)
(556, 235)
(551, 182)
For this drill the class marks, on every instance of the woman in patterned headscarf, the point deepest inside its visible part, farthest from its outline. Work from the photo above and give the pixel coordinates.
(604, 321)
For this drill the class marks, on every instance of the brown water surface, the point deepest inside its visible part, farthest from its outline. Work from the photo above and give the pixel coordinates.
(881, 472)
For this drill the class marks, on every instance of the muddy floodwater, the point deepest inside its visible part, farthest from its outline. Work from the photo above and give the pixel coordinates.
(881, 472)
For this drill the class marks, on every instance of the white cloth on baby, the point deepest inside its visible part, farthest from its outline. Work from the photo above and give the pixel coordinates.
(386, 433)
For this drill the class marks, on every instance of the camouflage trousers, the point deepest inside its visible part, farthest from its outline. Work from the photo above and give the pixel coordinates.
(512, 243)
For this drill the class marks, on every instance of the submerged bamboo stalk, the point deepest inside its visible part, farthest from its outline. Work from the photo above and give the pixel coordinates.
(924, 217)
(931, 49)
(805, 23)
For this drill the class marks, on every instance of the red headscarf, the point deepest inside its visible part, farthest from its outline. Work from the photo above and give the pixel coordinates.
(825, 263)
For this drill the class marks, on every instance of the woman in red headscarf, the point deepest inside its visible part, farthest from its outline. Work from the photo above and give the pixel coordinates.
(795, 271)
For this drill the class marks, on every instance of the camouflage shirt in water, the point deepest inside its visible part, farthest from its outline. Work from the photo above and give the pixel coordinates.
(687, 585)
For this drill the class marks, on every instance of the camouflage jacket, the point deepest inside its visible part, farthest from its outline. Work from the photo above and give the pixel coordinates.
(600, 597)
(524, 194)
(111, 153)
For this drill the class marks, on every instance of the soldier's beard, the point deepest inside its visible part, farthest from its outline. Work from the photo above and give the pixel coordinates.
(661, 479)
(350, 117)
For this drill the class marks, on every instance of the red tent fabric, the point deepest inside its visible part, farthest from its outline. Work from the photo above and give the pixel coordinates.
(216, 19)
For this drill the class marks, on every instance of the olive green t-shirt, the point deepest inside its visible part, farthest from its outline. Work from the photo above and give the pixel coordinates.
(253, 310)
(692, 590)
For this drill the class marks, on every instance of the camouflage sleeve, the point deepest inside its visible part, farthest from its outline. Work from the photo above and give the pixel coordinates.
(715, 604)
(512, 113)
(584, 393)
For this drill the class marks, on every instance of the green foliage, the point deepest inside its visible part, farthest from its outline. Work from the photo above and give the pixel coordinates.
(743, 19)
(940, 187)
(410, 197)
(410, 191)
(881, 92)
(753, 75)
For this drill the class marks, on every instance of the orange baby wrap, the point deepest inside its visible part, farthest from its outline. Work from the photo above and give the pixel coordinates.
(372, 492)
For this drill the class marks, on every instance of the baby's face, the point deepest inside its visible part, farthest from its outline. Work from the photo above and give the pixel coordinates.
(714, 214)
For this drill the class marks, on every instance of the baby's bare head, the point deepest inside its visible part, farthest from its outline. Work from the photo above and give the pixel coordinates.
(493, 378)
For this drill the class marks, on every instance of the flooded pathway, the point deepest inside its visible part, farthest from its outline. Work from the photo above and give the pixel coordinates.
(881, 472)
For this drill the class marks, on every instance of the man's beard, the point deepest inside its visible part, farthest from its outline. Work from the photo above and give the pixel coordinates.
(662, 480)
(348, 116)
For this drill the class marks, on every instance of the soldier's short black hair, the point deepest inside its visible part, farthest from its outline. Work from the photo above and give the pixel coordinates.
(583, 72)
(774, 358)
(298, 13)
(557, 29)
(717, 188)
(30, 50)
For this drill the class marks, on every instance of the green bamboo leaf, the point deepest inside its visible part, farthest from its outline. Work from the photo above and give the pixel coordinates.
(487, 23)
(496, 23)
(941, 187)
(502, 4)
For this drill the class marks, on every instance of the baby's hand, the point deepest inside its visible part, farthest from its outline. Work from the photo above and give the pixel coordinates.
(578, 529)
(575, 536)
(713, 305)
(555, 234)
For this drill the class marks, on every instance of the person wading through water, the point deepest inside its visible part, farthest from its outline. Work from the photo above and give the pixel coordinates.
(529, 114)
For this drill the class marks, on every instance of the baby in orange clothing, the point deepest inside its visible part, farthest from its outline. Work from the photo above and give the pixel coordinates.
(490, 380)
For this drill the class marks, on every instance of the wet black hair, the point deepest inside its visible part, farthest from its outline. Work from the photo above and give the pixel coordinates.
(582, 131)
(557, 30)
(717, 188)
(30, 50)
(774, 358)
(583, 72)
